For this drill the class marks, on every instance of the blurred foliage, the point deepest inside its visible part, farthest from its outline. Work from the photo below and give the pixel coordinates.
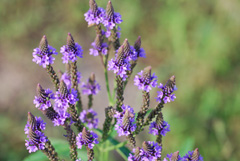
(198, 41)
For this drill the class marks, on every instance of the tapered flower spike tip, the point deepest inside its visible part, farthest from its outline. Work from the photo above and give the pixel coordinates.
(159, 119)
(175, 156)
(70, 41)
(63, 88)
(40, 90)
(43, 45)
(98, 41)
(195, 155)
(147, 72)
(137, 44)
(146, 146)
(93, 5)
(126, 46)
(85, 134)
(109, 10)
(31, 119)
(92, 78)
(120, 55)
(137, 153)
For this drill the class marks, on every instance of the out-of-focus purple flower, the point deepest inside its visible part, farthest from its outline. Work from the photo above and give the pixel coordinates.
(192, 156)
(155, 128)
(91, 87)
(112, 18)
(79, 159)
(145, 80)
(98, 47)
(173, 157)
(125, 121)
(43, 99)
(87, 138)
(95, 15)
(89, 117)
(43, 54)
(66, 77)
(166, 94)
(71, 51)
(36, 138)
(150, 151)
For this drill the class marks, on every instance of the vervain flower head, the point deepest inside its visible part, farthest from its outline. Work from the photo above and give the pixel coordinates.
(159, 127)
(166, 94)
(89, 117)
(112, 18)
(95, 15)
(98, 47)
(43, 54)
(173, 157)
(43, 99)
(139, 52)
(193, 156)
(36, 138)
(91, 87)
(87, 138)
(145, 80)
(125, 121)
(71, 51)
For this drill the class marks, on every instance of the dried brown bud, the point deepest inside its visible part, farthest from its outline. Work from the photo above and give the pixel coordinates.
(70, 42)
(93, 6)
(92, 78)
(195, 155)
(109, 10)
(43, 45)
(126, 47)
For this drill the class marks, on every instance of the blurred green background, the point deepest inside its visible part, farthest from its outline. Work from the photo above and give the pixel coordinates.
(196, 40)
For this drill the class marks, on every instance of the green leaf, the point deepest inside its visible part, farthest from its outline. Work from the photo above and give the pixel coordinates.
(61, 147)
(123, 151)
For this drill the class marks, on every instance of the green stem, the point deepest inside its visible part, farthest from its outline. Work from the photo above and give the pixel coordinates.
(108, 88)
(116, 146)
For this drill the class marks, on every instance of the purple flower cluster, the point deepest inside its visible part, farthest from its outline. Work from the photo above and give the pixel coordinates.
(96, 50)
(163, 128)
(44, 102)
(125, 121)
(149, 152)
(166, 94)
(71, 53)
(39, 140)
(89, 117)
(90, 88)
(95, 17)
(66, 77)
(87, 138)
(173, 157)
(189, 156)
(144, 80)
(43, 54)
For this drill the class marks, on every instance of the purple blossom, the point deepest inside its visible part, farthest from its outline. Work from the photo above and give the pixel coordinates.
(87, 138)
(70, 53)
(144, 80)
(60, 118)
(43, 54)
(125, 121)
(62, 101)
(163, 128)
(91, 87)
(95, 17)
(173, 157)
(96, 50)
(44, 102)
(89, 117)
(66, 77)
(36, 138)
(120, 68)
(189, 156)
(166, 94)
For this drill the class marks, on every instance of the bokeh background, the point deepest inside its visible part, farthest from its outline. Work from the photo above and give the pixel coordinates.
(198, 41)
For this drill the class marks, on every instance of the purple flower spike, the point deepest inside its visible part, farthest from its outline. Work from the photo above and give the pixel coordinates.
(42, 100)
(111, 18)
(87, 138)
(151, 150)
(163, 128)
(139, 52)
(71, 51)
(193, 156)
(98, 47)
(125, 119)
(95, 15)
(91, 87)
(43, 54)
(173, 157)
(36, 138)
(166, 94)
(89, 117)
(121, 64)
(61, 118)
(145, 80)
(64, 97)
